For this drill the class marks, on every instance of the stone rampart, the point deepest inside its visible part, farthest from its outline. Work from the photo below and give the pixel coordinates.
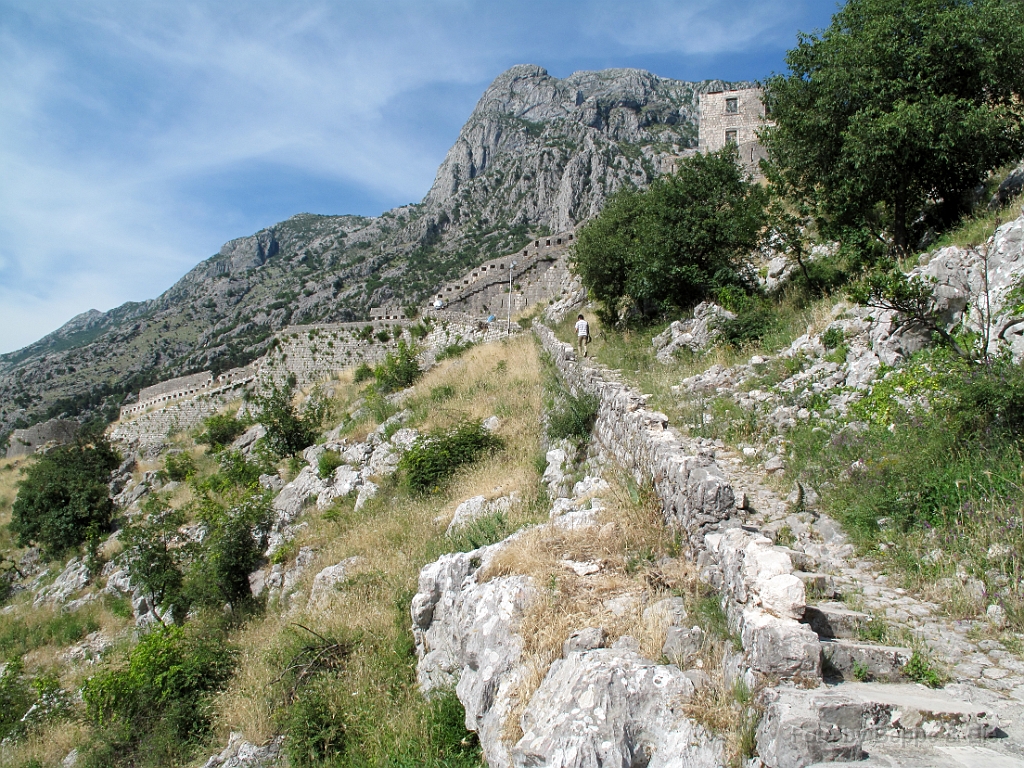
(759, 591)
(734, 117)
(537, 276)
(25, 442)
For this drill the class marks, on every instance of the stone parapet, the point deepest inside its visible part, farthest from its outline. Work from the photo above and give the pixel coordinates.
(760, 594)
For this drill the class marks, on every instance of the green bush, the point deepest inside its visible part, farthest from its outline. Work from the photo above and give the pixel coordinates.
(236, 537)
(398, 370)
(15, 698)
(315, 726)
(572, 417)
(164, 685)
(220, 431)
(362, 373)
(454, 350)
(328, 462)
(64, 495)
(289, 429)
(833, 337)
(154, 563)
(179, 466)
(434, 459)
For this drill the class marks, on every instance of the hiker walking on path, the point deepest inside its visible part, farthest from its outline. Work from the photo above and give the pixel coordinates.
(582, 335)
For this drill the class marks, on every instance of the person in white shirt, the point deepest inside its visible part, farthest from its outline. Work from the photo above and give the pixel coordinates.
(582, 335)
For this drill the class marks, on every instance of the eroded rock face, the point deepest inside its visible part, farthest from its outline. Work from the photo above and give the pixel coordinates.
(612, 707)
(467, 634)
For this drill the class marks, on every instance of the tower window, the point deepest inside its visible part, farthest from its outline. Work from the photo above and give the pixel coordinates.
(732, 106)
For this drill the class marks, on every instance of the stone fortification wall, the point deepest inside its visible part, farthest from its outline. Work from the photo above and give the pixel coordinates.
(146, 432)
(537, 276)
(173, 387)
(315, 352)
(184, 387)
(760, 591)
(25, 442)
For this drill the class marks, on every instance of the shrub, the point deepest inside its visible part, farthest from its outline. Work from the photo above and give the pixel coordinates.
(220, 431)
(398, 370)
(362, 373)
(833, 337)
(15, 698)
(290, 429)
(165, 683)
(179, 466)
(328, 462)
(64, 496)
(236, 536)
(383, 336)
(572, 417)
(316, 727)
(153, 563)
(454, 350)
(434, 459)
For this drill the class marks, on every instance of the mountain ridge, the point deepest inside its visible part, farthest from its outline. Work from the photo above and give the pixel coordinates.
(537, 154)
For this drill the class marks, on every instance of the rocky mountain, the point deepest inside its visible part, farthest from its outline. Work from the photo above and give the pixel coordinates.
(537, 154)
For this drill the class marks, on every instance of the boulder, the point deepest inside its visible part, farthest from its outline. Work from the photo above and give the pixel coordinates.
(240, 753)
(73, 578)
(780, 648)
(585, 639)
(610, 707)
(327, 581)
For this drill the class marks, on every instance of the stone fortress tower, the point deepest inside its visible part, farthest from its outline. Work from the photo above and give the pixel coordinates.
(733, 117)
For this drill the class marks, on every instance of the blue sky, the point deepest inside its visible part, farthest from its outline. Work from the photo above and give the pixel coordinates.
(137, 137)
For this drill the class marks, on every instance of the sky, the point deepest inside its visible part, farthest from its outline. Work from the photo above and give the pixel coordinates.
(138, 137)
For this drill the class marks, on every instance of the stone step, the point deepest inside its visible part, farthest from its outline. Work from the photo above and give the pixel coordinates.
(863, 661)
(835, 620)
(846, 722)
(817, 585)
(914, 756)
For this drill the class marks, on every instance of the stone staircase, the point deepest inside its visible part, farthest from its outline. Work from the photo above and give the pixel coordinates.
(867, 709)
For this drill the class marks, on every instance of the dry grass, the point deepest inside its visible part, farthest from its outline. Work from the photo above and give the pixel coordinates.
(631, 547)
(394, 536)
(48, 746)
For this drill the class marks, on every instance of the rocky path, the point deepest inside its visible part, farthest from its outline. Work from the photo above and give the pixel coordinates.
(853, 596)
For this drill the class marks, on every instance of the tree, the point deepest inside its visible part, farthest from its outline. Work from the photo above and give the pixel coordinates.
(289, 428)
(676, 243)
(155, 565)
(898, 107)
(64, 496)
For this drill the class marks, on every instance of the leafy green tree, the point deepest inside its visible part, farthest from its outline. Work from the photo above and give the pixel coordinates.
(289, 428)
(64, 496)
(154, 564)
(899, 105)
(676, 243)
(221, 430)
(236, 537)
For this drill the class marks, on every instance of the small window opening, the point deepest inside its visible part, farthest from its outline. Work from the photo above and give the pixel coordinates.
(732, 106)
(730, 137)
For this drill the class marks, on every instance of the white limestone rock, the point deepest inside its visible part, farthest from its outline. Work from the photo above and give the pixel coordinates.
(611, 707)
(327, 581)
